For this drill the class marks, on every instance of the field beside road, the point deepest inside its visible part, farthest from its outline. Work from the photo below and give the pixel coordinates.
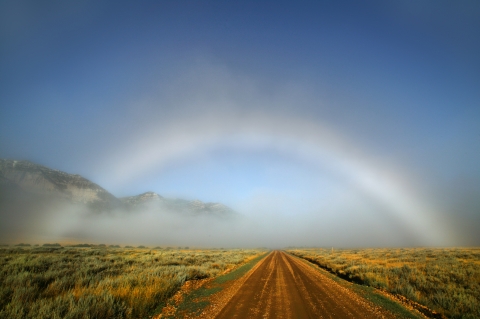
(102, 282)
(112, 282)
(445, 280)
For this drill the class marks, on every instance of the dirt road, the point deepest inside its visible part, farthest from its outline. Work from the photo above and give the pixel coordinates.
(283, 286)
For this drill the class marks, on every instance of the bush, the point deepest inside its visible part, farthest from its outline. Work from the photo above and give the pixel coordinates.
(52, 245)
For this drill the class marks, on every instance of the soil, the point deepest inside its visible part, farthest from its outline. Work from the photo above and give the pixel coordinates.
(282, 286)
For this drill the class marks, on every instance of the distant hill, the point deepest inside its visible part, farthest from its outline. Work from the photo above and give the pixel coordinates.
(142, 199)
(25, 179)
(194, 207)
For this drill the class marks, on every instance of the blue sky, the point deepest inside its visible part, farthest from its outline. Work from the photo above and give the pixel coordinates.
(337, 109)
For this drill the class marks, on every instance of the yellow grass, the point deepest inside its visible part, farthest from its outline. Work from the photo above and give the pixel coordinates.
(100, 282)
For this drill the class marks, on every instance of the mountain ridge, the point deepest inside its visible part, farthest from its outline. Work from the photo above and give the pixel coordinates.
(30, 177)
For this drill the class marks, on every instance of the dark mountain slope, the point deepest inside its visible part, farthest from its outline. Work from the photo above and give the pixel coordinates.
(27, 179)
(34, 178)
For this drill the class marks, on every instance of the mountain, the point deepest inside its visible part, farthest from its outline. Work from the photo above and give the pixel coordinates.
(142, 199)
(154, 201)
(40, 180)
(25, 179)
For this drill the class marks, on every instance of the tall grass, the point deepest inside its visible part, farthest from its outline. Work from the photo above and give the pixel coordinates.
(445, 280)
(100, 282)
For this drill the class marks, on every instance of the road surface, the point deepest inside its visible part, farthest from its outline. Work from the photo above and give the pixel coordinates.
(283, 286)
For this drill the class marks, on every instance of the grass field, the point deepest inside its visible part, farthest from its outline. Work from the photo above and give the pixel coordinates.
(102, 282)
(445, 280)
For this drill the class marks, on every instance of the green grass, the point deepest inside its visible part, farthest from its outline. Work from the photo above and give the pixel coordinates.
(444, 280)
(101, 282)
(240, 271)
(386, 303)
(196, 301)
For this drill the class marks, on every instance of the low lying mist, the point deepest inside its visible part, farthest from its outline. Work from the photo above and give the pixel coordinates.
(35, 219)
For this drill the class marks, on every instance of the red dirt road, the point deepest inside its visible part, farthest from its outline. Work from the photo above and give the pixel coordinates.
(282, 286)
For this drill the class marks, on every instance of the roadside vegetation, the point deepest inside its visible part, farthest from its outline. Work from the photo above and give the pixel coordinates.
(444, 280)
(90, 281)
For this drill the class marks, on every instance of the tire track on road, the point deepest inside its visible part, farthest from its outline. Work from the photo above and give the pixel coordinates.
(284, 287)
